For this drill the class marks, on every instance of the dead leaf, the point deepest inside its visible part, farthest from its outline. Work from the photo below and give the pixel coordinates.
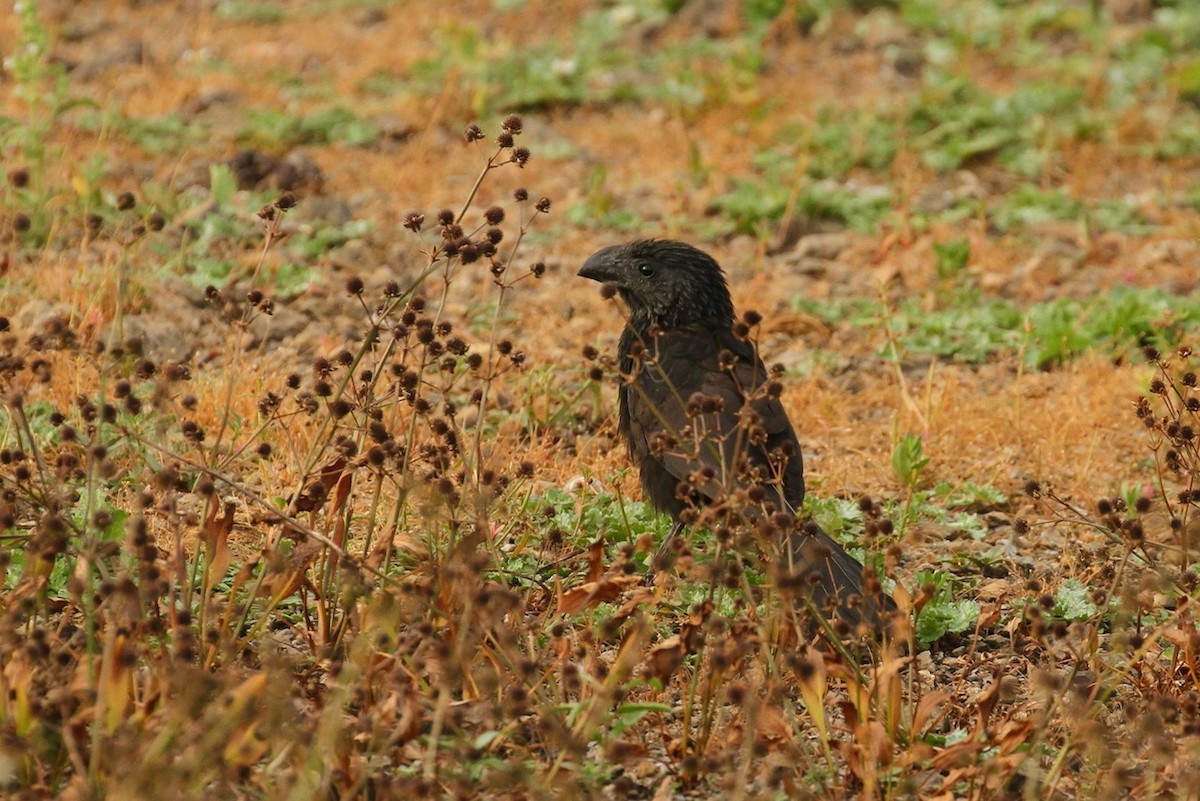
(588, 595)
(985, 702)
(331, 478)
(928, 704)
(215, 535)
(595, 557)
(773, 726)
(665, 658)
(811, 678)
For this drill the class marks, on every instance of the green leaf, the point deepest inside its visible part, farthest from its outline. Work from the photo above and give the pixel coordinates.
(942, 614)
(938, 620)
(484, 740)
(952, 257)
(629, 714)
(1073, 601)
(909, 460)
(221, 184)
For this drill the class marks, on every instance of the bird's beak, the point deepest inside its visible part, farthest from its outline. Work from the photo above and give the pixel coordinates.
(601, 267)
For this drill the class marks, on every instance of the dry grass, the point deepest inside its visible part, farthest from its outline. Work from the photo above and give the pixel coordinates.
(377, 600)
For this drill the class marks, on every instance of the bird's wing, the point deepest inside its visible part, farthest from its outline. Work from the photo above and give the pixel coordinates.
(686, 362)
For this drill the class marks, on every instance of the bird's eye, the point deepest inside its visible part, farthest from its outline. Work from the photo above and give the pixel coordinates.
(645, 269)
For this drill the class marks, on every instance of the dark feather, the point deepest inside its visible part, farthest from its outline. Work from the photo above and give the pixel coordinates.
(692, 397)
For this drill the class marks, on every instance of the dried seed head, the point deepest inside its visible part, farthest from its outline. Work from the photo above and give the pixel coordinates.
(414, 220)
(512, 123)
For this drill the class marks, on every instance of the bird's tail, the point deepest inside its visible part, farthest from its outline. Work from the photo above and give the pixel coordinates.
(832, 578)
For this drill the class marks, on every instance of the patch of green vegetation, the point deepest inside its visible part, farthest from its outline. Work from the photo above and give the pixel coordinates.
(846, 520)
(841, 518)
(324, 238)
(909, 460)
(953, 122)
(258, 12)
(1177, 137)
(752, 205)
(277, 129)
(584, 519)
(1073, 601)
(1029, 205)
(974, 329)
(600, 208)
(597, 63)
(839, 140)
(383, 84)
(41, 86)
(952, 258)
(497, 74)
(168, 135)
(960, 333)
(970, 495)
(749, 204)
(942, 614)
(217, 239)
(295, 87)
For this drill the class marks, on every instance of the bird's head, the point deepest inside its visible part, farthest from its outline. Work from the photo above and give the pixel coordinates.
(664, 283)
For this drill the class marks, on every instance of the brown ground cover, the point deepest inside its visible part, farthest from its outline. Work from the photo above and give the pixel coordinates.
(419, 629)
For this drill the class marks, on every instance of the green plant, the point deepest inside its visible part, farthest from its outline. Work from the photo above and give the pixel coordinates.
(973, 330)
(909, 460)
(940, 614)
(952, 258)
(600, 208)
(277, 129)
(41, 88)
(253, 11)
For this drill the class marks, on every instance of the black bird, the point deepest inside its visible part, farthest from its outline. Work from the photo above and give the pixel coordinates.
(703, 420)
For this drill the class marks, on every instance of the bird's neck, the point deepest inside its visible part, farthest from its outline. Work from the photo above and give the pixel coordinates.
(643, 318)
(643, 323)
